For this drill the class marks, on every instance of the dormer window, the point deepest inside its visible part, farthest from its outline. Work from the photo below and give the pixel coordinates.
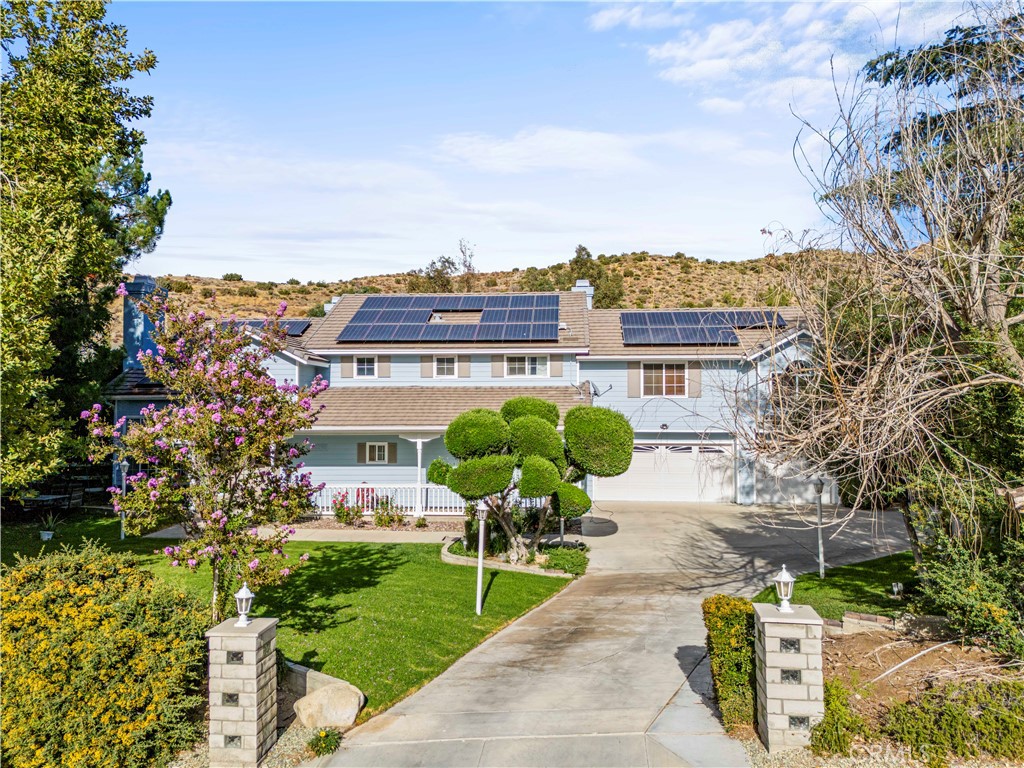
(366, 368)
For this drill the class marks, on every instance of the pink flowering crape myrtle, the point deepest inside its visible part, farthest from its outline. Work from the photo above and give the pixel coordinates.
(222, 459)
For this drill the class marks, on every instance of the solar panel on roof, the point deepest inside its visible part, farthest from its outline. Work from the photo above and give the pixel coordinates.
(497, 301)
(521, 302)
(373, 302)
(462, 332)
(473, 303)
(547, 301)
(494, 316)
(520, 316)
(517, 332)
(545, 332)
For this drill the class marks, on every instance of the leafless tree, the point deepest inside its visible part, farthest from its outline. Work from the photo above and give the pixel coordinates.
(914, 308)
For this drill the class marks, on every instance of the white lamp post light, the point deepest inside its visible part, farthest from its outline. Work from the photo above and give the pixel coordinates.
(243, 600)
(784, 588)
(124, 486)
(819, 488)
(481, 516)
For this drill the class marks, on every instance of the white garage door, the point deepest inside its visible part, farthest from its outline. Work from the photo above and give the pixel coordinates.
(672, 473)
(789, 483)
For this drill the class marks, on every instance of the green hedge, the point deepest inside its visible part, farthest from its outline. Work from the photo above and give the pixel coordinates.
(573, 561)
(962, 719)
(103, 664)
(475, 433)
(476, 478)
(532, 436)
(833, 735)
(437, 472)
(570, 502)
(540, 478)
(518, 407)
(599, 440)
(730, 624)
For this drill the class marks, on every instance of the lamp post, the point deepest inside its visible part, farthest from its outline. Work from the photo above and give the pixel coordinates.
(243, 601)
(481, 516)
(784, 588)
(819, 488)
(123, 465)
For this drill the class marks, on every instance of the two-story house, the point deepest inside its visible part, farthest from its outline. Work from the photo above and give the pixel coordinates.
(401, 367)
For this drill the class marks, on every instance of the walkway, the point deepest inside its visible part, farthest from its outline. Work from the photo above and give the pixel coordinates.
(612, 671)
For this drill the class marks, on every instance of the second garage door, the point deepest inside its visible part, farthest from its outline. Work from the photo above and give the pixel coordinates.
(672, 473)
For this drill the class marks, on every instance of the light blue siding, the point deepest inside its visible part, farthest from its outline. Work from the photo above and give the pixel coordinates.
(712, 411)
(333, 460)
(282, 369)
(309, 372)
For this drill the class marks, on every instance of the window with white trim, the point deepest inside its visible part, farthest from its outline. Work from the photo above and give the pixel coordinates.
(376, 453)
(535, 366)
(664, 380)
(444, 368)
(366, 367)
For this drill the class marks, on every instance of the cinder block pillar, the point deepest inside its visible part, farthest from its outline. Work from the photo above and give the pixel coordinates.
(790, 689)
(243, 692)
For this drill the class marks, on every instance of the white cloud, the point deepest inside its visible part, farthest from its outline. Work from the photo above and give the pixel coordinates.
(643, 16)
(717, 105)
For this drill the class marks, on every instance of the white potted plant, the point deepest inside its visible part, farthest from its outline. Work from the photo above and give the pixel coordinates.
(50, 522)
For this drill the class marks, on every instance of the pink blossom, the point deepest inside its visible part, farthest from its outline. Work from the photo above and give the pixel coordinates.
(192, 563)
(254, 564)
(168, 551)
(281, 308)
(305, 557)
(154, 495)
(85, 414)
(217, 417)
(121, 290)
(239, 440)
(174, 563)
(285, 571)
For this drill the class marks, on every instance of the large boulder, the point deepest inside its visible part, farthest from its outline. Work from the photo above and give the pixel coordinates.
(335, 706)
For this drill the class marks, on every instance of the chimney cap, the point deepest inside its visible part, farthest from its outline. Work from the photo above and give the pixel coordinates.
(583, 283)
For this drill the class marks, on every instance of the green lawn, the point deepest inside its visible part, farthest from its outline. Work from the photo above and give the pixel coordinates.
(385, 617)
(862, 588)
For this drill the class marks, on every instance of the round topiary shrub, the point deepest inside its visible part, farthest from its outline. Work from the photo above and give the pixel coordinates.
(103, 663)
(532, 436)
(539, 477)
(570, 501)
(476, 478)
(437, 472)
(599, 440)
(530, 406)
(479, 432)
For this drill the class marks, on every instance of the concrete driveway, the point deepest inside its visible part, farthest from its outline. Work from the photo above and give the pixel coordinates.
(612, 671)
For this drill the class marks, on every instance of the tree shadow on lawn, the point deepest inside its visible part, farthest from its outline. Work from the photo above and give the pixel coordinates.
(304, 601)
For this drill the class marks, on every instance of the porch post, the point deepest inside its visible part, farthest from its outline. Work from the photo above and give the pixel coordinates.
(419, 478)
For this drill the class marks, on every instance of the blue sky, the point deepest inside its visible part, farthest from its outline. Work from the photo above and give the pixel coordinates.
(332, 140)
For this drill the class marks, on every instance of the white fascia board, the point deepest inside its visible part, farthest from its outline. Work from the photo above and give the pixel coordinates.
(300, 359)
(613, 358)
(782, 340)
(449, 351)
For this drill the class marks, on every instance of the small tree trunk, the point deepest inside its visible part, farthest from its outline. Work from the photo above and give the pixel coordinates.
(517, 549)
(915, 542)
(214, 601)
(542, 519)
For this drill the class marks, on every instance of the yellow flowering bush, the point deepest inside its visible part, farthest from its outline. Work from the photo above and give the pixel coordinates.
(730, 624)
(102, 663)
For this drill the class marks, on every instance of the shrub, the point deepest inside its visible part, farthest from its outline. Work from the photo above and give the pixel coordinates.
(834, 734)
(599, 440)
(532, 436)
(174, 286)
(539, 477)
(325, 741)
(962, 719)
(570, 502)
(477, 432)
(386, 513)
(233, 277)
(208, 293)
(247, 290)
(980, 595)
(518, 407)
(491, 282)
(264, 286)
(317, 310)
(437, 472)
(730, 624)
(421, 522)
(344, 512)
(293, 281)
(103, 663)
(476, 478)
(574, 561)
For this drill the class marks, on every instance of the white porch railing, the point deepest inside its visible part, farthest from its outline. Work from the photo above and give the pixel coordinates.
(434, 499)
